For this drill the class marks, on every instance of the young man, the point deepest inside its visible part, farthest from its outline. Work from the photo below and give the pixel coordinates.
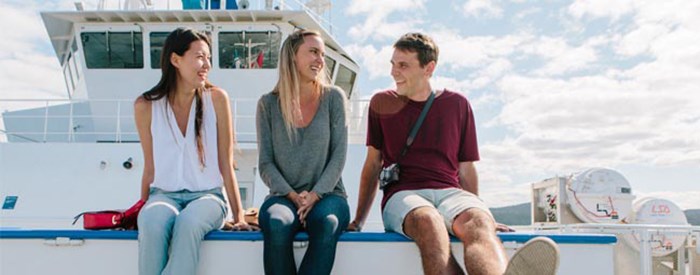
(437, 189)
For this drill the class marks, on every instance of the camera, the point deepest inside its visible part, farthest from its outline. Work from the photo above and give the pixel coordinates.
(388, 175)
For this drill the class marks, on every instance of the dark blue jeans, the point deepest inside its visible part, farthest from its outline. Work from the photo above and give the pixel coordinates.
(280, 223)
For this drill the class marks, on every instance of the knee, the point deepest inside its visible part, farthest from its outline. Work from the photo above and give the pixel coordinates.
(277, 217)
(424, 220)
(324, 229)
(328, 223)
(155, 223)
(474, 225)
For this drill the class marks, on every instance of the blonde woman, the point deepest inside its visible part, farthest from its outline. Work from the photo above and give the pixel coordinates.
(302, 141)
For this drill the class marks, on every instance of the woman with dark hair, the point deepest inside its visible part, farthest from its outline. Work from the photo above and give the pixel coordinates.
(184, 125)
(302, 142)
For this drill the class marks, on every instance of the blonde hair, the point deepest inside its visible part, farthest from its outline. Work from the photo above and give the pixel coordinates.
(287, 88)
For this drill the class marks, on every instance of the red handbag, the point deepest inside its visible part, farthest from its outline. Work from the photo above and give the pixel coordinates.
(111, 219)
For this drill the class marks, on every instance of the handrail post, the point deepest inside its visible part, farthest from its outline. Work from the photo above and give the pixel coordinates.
(645, 252)
(679, 264)
(70, 122)
(46, 119)
(119, 114)
(235, 119)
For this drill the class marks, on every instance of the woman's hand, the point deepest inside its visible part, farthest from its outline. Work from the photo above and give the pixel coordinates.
(308, 200)
(296, 198)
(240, 226)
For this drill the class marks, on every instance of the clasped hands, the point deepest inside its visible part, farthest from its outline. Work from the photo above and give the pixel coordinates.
(304, 202)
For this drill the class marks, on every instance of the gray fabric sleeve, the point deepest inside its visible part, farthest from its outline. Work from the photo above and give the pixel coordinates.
(269, 173)
(338, 144)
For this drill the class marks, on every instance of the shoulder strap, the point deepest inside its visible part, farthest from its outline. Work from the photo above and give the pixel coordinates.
(419, 122)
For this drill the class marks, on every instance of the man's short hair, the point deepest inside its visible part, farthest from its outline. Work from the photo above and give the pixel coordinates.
(419, 43)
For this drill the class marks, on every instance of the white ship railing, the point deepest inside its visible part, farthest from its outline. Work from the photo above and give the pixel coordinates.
(317, 8)
(644, 233)
(57, 120)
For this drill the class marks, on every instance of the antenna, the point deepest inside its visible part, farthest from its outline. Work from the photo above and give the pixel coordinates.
(319, 6)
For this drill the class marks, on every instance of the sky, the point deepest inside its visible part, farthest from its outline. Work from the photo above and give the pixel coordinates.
(556, 86)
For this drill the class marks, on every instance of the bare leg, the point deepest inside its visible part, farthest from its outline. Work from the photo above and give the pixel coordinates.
(483, 251)
(427, 228)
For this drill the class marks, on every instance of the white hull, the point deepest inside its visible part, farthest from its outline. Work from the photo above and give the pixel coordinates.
(357, 253)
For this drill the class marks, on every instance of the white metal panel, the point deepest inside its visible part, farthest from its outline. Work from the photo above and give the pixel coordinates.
(245, 257)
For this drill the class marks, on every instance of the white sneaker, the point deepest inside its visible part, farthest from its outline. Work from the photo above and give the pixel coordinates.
(539, 256)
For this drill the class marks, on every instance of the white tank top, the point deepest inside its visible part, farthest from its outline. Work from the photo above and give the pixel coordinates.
(175, 158)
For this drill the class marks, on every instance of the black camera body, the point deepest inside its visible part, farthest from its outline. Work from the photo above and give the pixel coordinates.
(388, 175)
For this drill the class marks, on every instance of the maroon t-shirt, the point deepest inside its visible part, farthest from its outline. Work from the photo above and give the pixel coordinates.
(446, 138)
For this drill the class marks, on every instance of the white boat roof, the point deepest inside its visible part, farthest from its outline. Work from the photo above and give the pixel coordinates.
(59, 24)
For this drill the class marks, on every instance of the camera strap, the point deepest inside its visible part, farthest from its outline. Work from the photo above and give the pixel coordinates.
(419, 122)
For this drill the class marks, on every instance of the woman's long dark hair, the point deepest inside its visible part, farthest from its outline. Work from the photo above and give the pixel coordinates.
(178, 42)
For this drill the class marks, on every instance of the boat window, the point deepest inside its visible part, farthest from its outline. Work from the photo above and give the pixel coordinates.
(345, 79)
(330, 66)
(157, 42)
(112, 50)
(249, 50)
(75, 60)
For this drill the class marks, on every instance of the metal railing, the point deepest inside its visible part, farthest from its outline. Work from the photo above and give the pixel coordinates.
(315, 11)
(112, 121)
(645, 235)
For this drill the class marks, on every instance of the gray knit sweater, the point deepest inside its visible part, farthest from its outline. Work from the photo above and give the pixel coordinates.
(311, 161)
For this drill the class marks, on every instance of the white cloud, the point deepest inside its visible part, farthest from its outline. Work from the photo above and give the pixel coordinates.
(601, 8)
(481, 78)
(597, 120)
(521, 15)
(459, 52)
(639, 40)
(560, 57)
(28, 67)
(482, 8)
(376, 25)
(380, 30)
(369, 6)
(376, 62)
(460, 85)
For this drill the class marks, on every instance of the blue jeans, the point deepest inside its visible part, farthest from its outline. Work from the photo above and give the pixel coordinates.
(177, 222)
(324, 224)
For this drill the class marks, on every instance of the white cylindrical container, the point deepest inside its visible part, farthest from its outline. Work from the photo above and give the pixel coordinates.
(599, 195)
(658, 212)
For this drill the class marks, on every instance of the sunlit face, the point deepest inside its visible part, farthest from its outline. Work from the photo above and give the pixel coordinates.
(309, 58)
(407, 72)
(193, 67)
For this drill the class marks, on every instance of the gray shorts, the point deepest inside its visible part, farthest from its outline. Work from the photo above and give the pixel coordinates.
(449, 203)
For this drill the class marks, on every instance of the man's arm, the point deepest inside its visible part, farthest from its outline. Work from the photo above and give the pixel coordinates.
(368, 187)
(468, 178)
